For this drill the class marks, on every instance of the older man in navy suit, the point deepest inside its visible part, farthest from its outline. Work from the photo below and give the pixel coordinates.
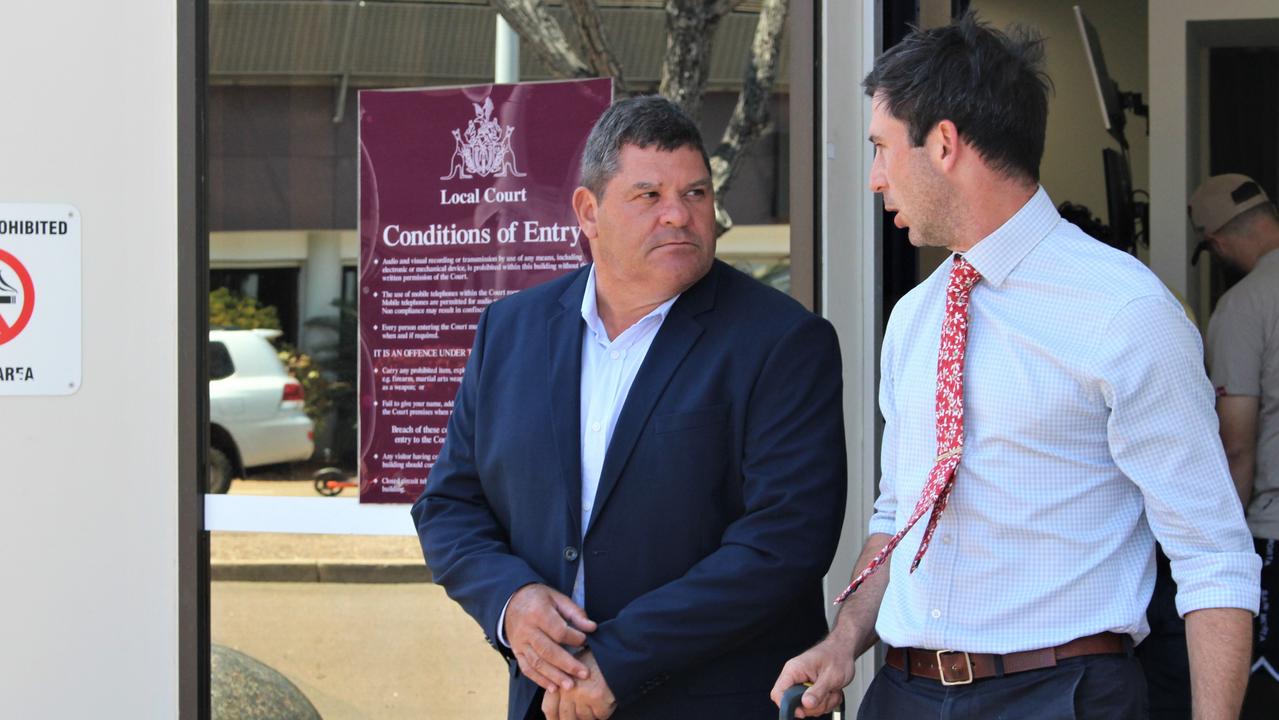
(644, 476)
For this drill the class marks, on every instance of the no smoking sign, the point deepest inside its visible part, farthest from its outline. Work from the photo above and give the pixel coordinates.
(17, 302)
(39, 299)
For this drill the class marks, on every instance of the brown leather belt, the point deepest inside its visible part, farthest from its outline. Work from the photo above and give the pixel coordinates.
(956, 667)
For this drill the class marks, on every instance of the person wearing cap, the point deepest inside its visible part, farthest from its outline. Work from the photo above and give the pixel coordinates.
(1241, 227)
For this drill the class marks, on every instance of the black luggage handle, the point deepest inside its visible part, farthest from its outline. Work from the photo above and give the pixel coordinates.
(791, 701)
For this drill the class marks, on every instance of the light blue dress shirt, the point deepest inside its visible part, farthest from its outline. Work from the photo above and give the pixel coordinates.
(1089, 422)
(608, 370)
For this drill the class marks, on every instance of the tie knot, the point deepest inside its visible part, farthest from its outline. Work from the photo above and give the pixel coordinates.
(963, 276)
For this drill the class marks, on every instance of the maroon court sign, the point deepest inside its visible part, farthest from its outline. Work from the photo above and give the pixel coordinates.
(464, 198)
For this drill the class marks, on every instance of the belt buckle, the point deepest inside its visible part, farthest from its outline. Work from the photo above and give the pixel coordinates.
(941, 668)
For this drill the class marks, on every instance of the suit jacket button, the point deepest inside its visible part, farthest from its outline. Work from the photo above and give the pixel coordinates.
(570, 553)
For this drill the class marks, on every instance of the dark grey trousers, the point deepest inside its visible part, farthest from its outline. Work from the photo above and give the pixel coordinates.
(1095, 687)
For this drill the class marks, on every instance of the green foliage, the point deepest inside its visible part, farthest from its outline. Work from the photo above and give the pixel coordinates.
(232, 310)
(775, 272)
(321, 392)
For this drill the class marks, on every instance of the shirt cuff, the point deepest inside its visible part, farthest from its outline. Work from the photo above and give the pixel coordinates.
(1219, 580)
(501, 624)
(883, 524)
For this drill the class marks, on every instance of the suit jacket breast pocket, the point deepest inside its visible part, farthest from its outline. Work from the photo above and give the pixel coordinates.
(691, 445)
(709, 416)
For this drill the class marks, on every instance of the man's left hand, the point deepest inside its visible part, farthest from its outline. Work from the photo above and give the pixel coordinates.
(590, 699)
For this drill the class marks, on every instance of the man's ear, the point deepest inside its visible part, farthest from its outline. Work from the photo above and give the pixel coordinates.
(944, 144)
(586, 206)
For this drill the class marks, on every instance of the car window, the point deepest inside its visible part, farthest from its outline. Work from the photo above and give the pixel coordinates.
(220, 364)
(257, 357)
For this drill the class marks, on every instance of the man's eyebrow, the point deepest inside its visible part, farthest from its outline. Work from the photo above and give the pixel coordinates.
(873, 138)
(700, 182)
(649, 185)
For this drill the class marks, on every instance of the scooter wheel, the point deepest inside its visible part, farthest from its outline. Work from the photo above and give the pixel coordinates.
(327, 481)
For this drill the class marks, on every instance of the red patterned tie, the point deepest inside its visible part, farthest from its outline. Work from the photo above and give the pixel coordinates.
(950, 420)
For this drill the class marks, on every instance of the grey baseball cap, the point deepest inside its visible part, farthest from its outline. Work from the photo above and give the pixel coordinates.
(1221, 198)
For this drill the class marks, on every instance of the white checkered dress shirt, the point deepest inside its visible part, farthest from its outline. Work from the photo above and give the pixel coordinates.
(1089, 422)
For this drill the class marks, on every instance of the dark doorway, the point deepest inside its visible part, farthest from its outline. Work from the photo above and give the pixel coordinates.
(900, 258)
(1243, 127)
(277, 287)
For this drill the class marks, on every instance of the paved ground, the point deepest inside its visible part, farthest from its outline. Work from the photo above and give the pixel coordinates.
(365, 651)
(237, 546)
(389, 649)
(292, 487)
(298, 557)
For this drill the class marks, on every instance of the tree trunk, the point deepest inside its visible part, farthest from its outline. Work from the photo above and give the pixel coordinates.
(690, 30)
(750, 116)
(542, 32)
(590, 32)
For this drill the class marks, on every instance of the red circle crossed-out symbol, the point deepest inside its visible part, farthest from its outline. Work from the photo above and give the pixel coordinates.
(7, 331)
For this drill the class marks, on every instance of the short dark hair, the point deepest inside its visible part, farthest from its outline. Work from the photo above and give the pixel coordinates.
(1245, 223)
(991, 84)
(640, 121)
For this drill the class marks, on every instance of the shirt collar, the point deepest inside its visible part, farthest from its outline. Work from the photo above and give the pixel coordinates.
(998, 253)
(1270, 257)
(591, 313)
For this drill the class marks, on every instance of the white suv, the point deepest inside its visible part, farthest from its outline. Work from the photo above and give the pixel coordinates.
(255, 407)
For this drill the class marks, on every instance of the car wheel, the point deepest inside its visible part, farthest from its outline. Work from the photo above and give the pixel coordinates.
(220, 471)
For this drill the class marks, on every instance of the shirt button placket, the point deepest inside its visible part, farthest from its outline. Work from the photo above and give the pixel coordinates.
(941, 557)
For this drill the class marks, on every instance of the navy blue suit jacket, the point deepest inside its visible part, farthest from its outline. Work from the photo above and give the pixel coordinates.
(719, 504)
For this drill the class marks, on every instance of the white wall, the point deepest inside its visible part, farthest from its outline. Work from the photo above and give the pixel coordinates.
(88, 612)
(850, 248)
(1177, 128)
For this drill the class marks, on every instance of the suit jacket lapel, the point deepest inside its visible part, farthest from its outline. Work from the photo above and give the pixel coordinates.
(564, 362)
(676, 337)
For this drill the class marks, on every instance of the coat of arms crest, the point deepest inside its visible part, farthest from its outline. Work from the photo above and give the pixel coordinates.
(484, 148)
